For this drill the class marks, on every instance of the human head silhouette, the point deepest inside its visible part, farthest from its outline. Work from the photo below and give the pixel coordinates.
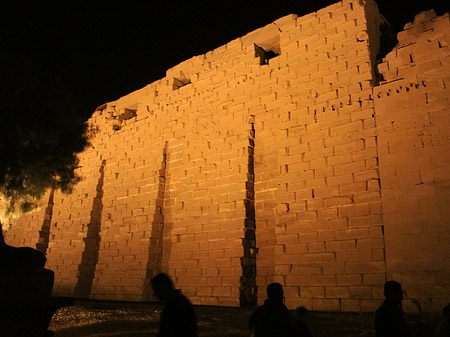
(300, 312)
(393, 292)
(162, 286)
(275, 293)
(446, 310)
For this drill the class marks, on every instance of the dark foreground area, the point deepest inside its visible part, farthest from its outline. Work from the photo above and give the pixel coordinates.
(119, 319)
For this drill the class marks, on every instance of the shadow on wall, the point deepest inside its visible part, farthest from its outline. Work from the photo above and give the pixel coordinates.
(89, 259)
(248, 288)
(44, 233)
(155, 246)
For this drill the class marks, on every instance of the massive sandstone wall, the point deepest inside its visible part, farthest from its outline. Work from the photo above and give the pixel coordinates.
(413, 124)
(239, 169)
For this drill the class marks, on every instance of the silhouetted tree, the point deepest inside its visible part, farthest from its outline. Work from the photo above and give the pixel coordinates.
(41, 135)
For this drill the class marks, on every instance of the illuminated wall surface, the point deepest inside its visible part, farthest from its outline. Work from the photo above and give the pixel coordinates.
(284, 156)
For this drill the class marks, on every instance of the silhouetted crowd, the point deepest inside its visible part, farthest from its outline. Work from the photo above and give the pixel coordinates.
(273, 319)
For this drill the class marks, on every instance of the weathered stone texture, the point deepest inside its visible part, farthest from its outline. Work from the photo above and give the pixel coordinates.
(278, 157)
(412, 116)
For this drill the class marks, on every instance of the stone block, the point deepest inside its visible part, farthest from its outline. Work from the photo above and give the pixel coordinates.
(295, 249)
(348, 280)
(326, 304)
(336, 292)
(365, 267)
(341, 245)
(350, 305)
(360, 291)
(323, 280)
(370, 305)
(374, 279)
(326, 235)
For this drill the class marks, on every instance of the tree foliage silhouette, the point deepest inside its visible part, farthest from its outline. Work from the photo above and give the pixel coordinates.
(41, 135)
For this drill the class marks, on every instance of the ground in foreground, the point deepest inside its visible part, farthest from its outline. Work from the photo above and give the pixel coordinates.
(119, 319)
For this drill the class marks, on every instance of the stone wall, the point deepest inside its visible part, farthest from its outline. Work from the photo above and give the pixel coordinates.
(318, 202)
(282, 156)
(413, 126)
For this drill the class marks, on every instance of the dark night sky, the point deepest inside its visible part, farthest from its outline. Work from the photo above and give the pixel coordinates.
(102, 50)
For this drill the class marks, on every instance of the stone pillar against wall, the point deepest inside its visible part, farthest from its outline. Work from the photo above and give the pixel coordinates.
(413, 124)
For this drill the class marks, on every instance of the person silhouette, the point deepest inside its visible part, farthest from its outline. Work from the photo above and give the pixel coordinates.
(443, 327)
(272, 319)
(178, 316)
(389, 317)
(299, 323)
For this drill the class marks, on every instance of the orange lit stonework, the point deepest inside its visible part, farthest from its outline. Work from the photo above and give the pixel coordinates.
(288, 155)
